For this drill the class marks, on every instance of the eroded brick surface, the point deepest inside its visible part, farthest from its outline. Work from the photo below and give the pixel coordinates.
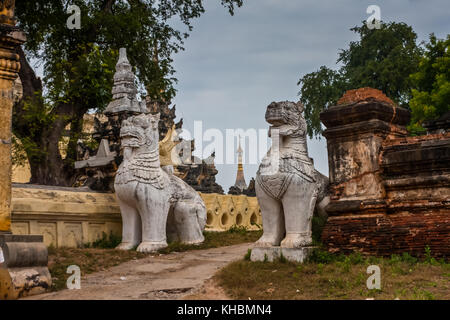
(390, 234)
(363, 94)
(390, 193)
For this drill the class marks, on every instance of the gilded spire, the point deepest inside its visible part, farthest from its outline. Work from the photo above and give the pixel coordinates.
(240, 179)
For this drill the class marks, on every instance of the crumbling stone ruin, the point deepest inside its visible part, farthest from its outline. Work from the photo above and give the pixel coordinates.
(249, 191)
(200, 176)
(390, 193)
(97, 169)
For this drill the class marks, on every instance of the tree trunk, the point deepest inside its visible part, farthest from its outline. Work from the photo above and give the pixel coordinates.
(42, 147)
(49, 168)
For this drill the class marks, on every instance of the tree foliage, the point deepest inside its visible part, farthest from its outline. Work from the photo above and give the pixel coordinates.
(431, 93)
(320, 88)
(382, 59)
(78, 67)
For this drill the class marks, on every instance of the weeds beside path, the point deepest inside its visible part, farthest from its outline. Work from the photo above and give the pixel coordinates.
(159, 276)
(336, 277)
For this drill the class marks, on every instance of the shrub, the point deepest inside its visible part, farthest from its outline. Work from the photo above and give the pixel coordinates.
(320, 255)
(282, 258)
(248, 255)
(105, 242)
(238, 229)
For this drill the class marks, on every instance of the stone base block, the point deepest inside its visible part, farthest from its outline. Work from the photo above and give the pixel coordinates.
(23, 266)
(272, 253)
(265, 254)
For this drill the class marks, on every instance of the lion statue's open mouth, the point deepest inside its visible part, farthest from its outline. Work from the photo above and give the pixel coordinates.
(131, 137)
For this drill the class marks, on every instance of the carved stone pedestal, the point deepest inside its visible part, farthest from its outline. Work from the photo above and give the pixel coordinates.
(23, 266)
(273, 253)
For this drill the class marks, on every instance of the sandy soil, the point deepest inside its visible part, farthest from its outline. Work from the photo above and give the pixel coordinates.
(185, 275)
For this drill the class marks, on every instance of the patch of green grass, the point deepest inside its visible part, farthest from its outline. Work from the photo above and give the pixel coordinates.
(105, 242)
(317, 225)
(248, 255)
(336, 276)
(422, 294)
(429, 258)
(99, 255)
(282, 258)
(231, 237)
(88, 259)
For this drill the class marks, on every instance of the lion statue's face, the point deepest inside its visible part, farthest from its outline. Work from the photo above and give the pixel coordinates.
(287, 117)
(285, 112)
(139, 130)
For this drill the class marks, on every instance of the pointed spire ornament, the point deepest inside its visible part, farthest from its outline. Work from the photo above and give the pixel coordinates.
(240, 179)
(124, 90)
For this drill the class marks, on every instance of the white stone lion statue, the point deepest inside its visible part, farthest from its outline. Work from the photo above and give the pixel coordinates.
(154, 203)
(287, 185)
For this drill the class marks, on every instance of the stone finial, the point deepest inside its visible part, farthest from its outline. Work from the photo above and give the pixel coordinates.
(124, 90)
(363, 94)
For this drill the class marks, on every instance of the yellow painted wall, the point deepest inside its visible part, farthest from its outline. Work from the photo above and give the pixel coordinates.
(68, 218)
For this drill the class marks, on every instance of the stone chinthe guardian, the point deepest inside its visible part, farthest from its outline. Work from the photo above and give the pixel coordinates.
(287, 187)
(154, 203)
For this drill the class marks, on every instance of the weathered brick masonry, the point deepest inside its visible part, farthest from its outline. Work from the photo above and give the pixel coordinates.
(389, 193)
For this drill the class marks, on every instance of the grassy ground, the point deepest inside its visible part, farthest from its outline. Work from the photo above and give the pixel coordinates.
(100, 255)
(233, 236)
(337, 277)
(88, 259)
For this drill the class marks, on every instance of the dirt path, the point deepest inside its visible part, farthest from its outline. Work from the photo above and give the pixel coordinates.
(185, 275)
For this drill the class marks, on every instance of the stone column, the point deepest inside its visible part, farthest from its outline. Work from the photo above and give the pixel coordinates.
(23, 259)
(356, 129)
(10, 37)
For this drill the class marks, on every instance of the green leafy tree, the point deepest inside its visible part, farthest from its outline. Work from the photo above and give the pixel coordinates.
(431, 93)
(320, 90)
(382, 59)
(79, 65)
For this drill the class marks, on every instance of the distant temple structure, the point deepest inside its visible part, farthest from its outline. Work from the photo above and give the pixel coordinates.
(97, 168)
(240, 186)
(240, 179)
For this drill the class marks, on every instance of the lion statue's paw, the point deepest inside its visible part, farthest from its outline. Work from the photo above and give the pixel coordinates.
(295, 240)
(126, 246)
(268, 241)
(147, 246)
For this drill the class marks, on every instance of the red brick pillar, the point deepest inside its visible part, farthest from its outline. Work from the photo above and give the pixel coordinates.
(356, 129)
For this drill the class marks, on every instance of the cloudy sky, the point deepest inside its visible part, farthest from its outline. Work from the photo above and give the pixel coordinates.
(234, 66)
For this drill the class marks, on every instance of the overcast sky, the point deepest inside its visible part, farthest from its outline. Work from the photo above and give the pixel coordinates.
(234, 66)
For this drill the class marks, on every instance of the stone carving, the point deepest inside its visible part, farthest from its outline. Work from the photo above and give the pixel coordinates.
(98, 172)
(287, 185)
(46, 210)
(124, 91)
(154, 203)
